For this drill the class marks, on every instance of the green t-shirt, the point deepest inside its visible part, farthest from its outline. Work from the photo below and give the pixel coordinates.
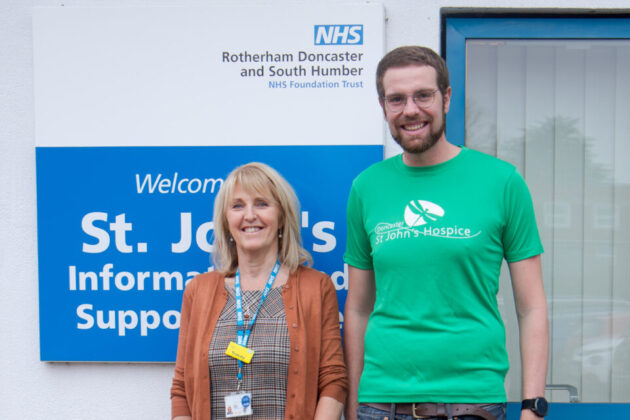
(436, 237)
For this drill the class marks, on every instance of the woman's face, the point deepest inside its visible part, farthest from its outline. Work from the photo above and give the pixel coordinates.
(253, 221)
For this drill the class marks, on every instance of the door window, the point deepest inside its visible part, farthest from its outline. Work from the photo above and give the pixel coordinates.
(552, 96)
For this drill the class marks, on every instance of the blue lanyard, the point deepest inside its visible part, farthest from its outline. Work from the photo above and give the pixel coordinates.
(243, 336)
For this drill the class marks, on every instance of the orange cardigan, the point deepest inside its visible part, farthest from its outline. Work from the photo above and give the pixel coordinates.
(316, 366)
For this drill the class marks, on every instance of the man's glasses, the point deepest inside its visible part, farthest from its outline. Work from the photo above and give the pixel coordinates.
(422, 98)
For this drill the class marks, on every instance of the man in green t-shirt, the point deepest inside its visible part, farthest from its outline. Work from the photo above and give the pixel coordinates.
(427, 233)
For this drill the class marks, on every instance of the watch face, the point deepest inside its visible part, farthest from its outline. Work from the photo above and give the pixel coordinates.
(541, 406)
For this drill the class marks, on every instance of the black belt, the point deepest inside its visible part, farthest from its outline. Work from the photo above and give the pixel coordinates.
(428, 410)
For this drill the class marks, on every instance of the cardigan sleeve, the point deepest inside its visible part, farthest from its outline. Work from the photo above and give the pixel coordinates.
(333, 378)
(179, 403)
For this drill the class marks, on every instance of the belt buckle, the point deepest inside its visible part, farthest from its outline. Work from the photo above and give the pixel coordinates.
(416, 416)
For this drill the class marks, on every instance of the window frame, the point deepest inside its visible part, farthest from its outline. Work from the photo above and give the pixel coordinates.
(459, 25)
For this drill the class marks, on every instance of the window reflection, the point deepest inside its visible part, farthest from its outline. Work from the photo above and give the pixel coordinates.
(558, 110)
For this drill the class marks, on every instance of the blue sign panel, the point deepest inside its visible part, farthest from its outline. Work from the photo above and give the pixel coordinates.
(123, 229)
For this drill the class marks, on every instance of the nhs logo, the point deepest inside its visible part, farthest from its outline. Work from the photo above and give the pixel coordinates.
(338, 34)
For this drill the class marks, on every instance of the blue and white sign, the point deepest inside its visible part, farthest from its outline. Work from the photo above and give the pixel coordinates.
(140, 115)
(338, 34)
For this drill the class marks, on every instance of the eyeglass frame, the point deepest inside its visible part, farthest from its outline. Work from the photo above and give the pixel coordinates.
(413, 98)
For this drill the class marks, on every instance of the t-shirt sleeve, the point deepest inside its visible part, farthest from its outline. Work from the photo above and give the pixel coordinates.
(520, 237)
(358, 248)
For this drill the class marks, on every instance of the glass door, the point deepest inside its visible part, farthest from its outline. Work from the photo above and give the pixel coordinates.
(552, 96)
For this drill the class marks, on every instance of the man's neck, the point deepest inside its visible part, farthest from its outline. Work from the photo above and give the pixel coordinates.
(439, 153)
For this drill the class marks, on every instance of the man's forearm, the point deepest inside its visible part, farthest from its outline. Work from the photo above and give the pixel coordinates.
(534, 338)
(354, 328)
(359, 306)
(531, 310)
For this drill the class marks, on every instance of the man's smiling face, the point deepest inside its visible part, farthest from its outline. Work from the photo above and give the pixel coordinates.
(416, 129)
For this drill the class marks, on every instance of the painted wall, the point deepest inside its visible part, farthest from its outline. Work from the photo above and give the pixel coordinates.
(34, 390)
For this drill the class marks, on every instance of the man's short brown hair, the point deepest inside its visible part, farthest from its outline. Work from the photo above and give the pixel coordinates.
(412, 56)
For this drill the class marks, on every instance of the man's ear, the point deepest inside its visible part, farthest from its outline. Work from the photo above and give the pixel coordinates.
(380, 101)
(447, 99)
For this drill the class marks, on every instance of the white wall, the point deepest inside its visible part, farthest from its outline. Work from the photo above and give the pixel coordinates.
(30, 389)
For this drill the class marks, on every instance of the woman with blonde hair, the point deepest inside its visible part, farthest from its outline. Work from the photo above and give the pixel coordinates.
(259, 337)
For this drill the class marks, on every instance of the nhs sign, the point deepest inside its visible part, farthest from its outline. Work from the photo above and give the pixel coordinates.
(338, 34)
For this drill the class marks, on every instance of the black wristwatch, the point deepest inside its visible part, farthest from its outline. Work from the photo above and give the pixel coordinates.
(538, 405)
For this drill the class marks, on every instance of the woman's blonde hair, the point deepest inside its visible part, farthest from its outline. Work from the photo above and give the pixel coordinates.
(256, 177)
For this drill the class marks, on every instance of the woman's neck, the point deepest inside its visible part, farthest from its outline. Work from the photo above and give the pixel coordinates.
(254, 271)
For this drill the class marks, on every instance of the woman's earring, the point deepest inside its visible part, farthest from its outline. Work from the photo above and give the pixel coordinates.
(231, 239)
(279, 234)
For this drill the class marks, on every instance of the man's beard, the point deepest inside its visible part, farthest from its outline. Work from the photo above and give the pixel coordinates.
(417, 148)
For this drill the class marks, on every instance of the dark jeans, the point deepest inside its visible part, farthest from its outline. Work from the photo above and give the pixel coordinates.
(368, 413)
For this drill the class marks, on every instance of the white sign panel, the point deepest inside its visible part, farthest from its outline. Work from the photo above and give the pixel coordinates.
(140, 115)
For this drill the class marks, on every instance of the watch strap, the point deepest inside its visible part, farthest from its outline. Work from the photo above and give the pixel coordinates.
(528, 404)
(538, 406)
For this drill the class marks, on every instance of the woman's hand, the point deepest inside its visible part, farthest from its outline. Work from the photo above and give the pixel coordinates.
(328, 409)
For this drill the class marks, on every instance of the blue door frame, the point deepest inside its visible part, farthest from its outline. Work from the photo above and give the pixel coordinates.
(577, 411)
(457, 28)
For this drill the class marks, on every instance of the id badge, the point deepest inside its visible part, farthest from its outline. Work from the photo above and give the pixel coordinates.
(239, 352)
(238, 404)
